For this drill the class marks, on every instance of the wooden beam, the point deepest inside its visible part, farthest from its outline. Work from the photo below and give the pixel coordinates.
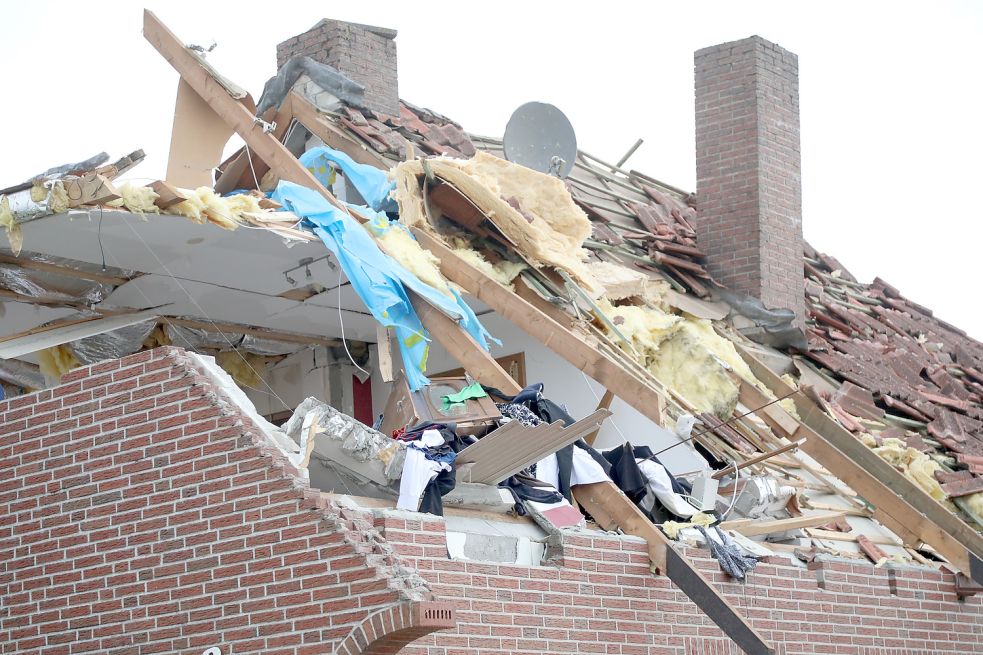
(757, 459)
(754, 527)
(630, 388)
(167, 195)
(289, 337)
(238, 174)
(235, 113)
(604, 404)
(62, 270)
(613, 511)
(898, 503)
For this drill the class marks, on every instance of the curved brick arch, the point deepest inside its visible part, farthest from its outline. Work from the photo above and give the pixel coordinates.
(389, 629)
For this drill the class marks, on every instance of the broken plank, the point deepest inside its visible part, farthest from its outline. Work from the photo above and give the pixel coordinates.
(605, 403)
(758, 458)
(757, 527)
(90, 189)
(167, 195)
(384, 353)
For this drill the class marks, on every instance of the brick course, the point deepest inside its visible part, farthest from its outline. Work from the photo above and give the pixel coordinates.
(748, 168)
(364, 53)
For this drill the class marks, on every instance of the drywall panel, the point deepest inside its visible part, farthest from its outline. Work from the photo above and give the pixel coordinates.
(32, 343)
(21, 316)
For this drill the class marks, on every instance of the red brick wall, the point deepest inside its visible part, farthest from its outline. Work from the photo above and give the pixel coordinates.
(748, 168)
(599, 597)
(364, 53)
(141, 513)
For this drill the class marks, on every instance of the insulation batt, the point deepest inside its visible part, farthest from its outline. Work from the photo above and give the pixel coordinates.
(245, 368)
(533, 209)
(503, 272)
(204, 205)
(56, 361)
(14, 234)
(684, 353)
(137, 199)
(916, 466)
(399, 244)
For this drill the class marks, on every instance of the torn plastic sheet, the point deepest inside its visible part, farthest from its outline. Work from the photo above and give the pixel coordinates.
(268, 347)
(196, 339)
(22, 374)
(372, 184)
(774, 326)
(112, 345)
(327, 77)
(379, 280)
(52, 286)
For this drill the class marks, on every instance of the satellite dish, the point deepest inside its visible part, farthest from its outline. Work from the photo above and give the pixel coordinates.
(540, 137)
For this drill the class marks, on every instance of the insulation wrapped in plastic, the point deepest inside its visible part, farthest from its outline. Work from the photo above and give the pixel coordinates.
(52, 286)
(195, 339)
(22, 374)
(64, 262)
(268, 347)
(112, 345)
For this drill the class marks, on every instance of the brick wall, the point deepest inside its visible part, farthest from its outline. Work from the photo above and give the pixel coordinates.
(142, 513)
(364, 53)
(748, 168)
(599, 597)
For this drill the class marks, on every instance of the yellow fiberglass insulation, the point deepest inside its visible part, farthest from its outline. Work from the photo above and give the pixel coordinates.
(58, 200)
(137, 199)
(157, 337)
(502, 272)
(532, 209)
(246, 369)
(975, 502)
(788, 404)
(916, 466)
(397, 242)
(38, 192)
(621, 282)
(203, 204)
(14, 234)
(56, 361)
(683, 353)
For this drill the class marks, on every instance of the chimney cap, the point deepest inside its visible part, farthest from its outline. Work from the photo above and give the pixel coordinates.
(385, 32)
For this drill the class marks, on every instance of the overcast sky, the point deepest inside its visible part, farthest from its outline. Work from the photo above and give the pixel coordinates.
(891, 97)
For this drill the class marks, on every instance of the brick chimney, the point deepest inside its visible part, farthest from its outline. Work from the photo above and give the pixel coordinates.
(364, 53)
(748, 170)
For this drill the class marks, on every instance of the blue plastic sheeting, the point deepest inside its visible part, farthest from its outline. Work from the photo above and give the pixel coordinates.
(372, 184)
(378, 279)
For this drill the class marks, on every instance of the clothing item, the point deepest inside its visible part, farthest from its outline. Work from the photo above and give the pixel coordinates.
(660, 488)
(520, 413)
(418, 471)
(467, 393)
(625, 472)
(733, 559)
(442, 484)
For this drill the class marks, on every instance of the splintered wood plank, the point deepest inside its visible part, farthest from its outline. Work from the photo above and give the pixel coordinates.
(167, 195)
(384, 353)
(754, 527)
(605, 403)
(90, 189)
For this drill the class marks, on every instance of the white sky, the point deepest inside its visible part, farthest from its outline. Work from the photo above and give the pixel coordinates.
(891, 98)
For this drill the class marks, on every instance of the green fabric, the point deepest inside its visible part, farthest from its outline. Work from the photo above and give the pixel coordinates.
(467, 393)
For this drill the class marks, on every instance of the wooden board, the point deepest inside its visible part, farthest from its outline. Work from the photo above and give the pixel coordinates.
(754, 527)
(513, 447)
(198, 137)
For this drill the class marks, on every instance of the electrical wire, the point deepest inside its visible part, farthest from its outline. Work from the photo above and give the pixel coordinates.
(598, 399)
(341, 320)
(203, 313)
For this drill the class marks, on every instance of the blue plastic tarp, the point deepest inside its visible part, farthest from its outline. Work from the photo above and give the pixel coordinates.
(372, 184)
(378, 279)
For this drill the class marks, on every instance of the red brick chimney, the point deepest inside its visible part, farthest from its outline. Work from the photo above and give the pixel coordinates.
(748, 169)
(364, 53)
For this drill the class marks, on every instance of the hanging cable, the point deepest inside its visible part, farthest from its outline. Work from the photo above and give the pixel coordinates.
(341, 320)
